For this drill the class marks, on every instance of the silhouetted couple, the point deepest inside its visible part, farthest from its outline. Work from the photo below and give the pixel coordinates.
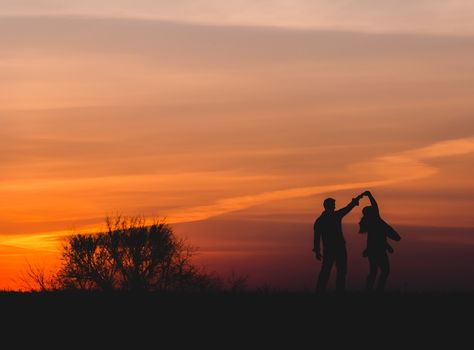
(328, 228)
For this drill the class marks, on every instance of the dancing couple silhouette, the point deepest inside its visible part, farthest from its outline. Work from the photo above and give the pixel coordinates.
(328, 229)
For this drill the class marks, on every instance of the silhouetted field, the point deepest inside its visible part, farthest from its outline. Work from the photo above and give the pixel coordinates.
(246, 318)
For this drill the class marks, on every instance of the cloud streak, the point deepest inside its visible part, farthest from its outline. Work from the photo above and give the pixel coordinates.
(362, 15)
(391, 169)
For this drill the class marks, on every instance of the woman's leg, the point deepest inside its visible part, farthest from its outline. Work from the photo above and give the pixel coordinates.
(384, 265)
(373, 266)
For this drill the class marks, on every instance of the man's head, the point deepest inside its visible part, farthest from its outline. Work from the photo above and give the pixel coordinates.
(329, 204)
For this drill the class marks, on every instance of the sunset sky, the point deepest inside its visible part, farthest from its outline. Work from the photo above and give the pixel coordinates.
(235, 119)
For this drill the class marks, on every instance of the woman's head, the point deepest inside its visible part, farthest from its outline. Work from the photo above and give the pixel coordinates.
(369, 212)
(368, 219)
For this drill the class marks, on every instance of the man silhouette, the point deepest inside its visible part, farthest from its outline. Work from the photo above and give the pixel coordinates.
(328, 227)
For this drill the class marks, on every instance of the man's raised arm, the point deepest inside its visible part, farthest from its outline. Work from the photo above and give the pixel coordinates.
(355, 202)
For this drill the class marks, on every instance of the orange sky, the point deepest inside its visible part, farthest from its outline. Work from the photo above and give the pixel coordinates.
(211, 117)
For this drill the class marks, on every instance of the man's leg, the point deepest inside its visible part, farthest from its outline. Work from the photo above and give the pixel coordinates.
(341, 266)
(328, 261)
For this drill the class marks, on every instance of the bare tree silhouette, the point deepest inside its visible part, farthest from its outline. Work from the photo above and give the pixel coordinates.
(35, 278)
(130, 256)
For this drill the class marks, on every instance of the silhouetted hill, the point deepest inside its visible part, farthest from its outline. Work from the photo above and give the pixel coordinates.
(245, 319)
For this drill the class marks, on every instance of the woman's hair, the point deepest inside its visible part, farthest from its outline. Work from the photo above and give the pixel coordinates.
(368, 217)
(368, 212)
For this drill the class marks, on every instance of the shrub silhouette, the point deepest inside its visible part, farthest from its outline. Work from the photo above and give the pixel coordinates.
(131, 256)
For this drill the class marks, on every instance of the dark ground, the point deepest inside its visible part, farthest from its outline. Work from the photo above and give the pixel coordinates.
(244, 320)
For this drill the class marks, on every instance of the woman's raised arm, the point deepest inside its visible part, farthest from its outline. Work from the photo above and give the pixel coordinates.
(373, 202)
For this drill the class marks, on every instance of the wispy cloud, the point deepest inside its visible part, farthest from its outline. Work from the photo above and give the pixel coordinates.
(361, 15)
(444, 149)
(390, 169)
(47, 242)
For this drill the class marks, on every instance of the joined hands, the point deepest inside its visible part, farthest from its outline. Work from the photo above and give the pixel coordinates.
(359, 197)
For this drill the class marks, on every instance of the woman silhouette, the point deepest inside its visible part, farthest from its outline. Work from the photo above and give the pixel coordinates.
(377, 232)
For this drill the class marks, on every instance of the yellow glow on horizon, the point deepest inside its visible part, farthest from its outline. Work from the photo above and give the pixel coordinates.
(399, 168)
